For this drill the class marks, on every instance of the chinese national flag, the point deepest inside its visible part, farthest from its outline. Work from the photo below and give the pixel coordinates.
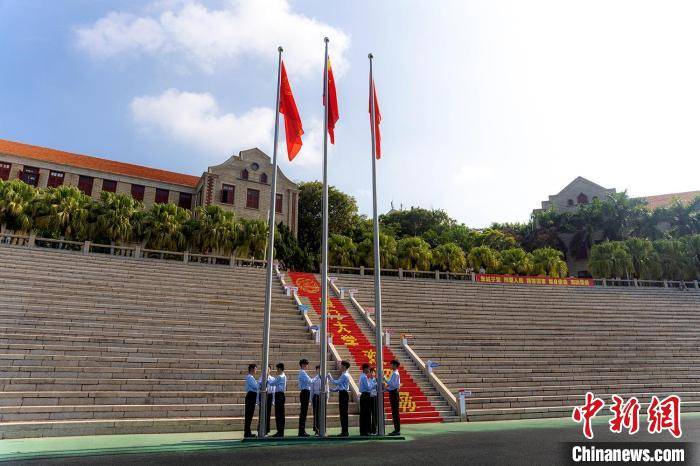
(377, 120)
(292, 122)
(332, 104)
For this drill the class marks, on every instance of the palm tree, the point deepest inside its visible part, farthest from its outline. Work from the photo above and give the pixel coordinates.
(516, 261)
(413, 253)
(674, 258)
(252, 240)
(16, 205)
(484, 257)
(162, 227)
(449, 257)
(63, 212)
(215, 230)
(645, 261)
(692, 244)
(115, 217)
(610, 259)
(387, 251)
(684, 219)
(341, 251)
(549, 261)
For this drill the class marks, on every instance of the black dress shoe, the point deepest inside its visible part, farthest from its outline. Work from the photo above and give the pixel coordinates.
(304, 434)
(249, 435)
(278, 435)
(343, 434)
(394, 434)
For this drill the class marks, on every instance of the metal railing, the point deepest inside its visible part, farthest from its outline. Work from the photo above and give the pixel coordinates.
(471, 277)
(434, 380)
(134, 252)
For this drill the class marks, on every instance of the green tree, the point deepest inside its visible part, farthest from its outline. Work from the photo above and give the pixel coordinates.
(341, 251)
(496, 240)
(163, 227)
(63, 212)
(16, 204)
(484, 257)
(645, 263)
(252, 240)
(424, 223)
(342, 214)
(387, 251)
(683, 218)
(610, 259)
(289, 252)
(692, 245)
(463, 236)
(115, 216)
(449, 257)
(215, 229)
(675, 261)
(413, 253)
(516, 261)
(549, 261)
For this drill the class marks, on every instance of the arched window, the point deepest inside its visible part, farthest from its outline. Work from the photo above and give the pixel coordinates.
(244, 174)
(570, 202)
(263, 178)
(582, 199)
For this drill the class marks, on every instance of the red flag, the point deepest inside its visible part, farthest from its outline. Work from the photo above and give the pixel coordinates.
(332, 104)
(292, 122)
(377, 120)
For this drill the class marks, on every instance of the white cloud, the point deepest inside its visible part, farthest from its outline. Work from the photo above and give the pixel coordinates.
(210, 37)
(196, 120)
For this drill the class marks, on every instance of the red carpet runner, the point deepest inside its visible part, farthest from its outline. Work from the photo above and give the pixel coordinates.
(413, 405)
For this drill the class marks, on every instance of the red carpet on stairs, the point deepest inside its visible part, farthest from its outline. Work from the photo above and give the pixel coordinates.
(413, 405)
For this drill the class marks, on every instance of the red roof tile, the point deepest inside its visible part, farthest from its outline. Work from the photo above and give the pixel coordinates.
(95, 163)
(663, 200)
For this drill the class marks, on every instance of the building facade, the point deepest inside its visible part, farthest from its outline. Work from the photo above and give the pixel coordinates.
(582, 191)
(241, 184)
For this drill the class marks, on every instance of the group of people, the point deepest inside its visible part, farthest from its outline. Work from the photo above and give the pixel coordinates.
(310, 391)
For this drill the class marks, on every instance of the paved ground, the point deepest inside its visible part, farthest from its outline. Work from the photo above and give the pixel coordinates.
(510, 442)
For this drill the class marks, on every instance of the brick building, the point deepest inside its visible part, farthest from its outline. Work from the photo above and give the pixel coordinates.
(240, 184)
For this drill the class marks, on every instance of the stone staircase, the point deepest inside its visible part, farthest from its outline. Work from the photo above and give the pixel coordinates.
(532, 351)
(93, 344)
(420, 401)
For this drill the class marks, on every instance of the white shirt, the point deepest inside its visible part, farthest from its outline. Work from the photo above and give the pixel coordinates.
(316, 386)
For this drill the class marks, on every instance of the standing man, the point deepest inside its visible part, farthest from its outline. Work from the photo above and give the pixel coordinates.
(304, 395)
(316, 396)
(280, 387)
(270, 396)
(342, 385)
(373, 396)
(251, 386)
(365, 401)
(392, 386)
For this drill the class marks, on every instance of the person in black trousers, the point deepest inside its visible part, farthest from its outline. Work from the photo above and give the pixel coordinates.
(251, 396)
(270, 397)
(342, 385)
(280, 388)
(393, 385)
(304, 395)
(365, 401)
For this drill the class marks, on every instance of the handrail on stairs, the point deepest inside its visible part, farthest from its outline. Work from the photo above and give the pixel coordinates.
(434, 379)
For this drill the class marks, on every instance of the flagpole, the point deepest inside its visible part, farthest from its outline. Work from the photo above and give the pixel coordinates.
(324, 256)
(377, 265)
(262, 412)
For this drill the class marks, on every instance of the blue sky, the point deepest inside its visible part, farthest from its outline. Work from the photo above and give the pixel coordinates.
(488, 106)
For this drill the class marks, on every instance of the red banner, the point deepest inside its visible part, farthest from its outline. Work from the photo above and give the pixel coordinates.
(538, 280)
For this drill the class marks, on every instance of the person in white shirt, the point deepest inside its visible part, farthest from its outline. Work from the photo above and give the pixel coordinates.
(342, 386)
(304, 394)
(270, 395)
(251, 394)
(316, 396)
(373, 396)
(392, 386)
(280, 383)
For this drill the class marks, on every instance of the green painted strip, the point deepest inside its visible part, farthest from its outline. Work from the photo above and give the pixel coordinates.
(62, 447)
